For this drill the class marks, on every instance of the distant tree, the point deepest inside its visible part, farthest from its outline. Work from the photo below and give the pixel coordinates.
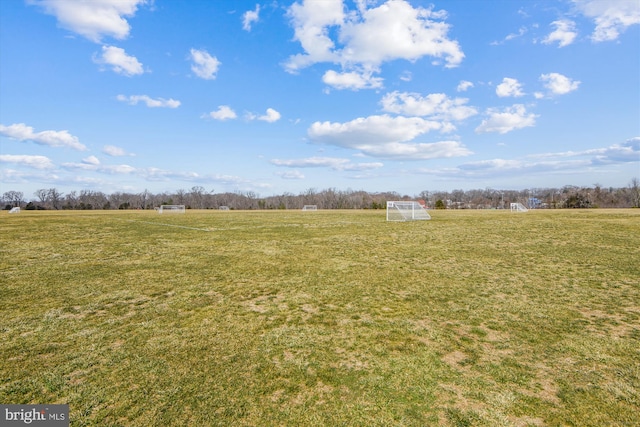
(634, 186)
(43, 195)
(578, 200)
(15, 198)
(196, 197)
(440, 204)
(54, 197)
(144, 197)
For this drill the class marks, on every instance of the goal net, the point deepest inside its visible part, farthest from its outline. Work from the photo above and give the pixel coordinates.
(518, 207)
(171, 209)
(310, 208)
(406, 211)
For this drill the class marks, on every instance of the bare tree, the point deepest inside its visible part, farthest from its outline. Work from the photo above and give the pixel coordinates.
(43, 196)
(54, 197)
(634, 186)
(196, 197)
(15, 198)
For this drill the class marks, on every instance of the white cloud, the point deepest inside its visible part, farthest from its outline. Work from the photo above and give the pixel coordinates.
(406, 76)
(385, 136)
(224, 112)
(119, 61)
(627, 152)
(464, 85)
(507, 120)
(52, 138)
(328, 162)
(97, 167)
(150, 102)
(416, 151)
(361, 40)
(37, 162)
(521, 32)
(92, 19)
(249, 17)
(312, 21)
(557, 84)
(611, 17)
(545, 163)
(351, 80)
(509, 87)
(437, 106)
(564, 33)
(371, 130)
(204, 65)
(290, 175)
(112, 150)
(91, 160)
(395, 30)
(270, 116)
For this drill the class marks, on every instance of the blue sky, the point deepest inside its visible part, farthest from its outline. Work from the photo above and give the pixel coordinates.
(282, 96)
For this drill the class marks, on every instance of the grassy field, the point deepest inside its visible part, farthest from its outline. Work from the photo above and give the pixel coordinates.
(265, 318)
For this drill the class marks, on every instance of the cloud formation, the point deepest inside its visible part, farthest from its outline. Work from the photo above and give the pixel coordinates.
(52, 138)
(37, 162)
(119, 61)
(249, 17)
(464, 85)
(560, 163)
(558, 84)
(436, 106)
(507, 119)
(150, 102)
(334, 163)
(363, 39)
(509, 87)
(354, 80)
(224, 112)
(204, 65)
(270, 116)
(112, 150)
(611, 17)
(93, 20)
(387, 137)
(564, 33)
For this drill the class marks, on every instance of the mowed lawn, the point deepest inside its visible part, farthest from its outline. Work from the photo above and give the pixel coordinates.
(290, 318)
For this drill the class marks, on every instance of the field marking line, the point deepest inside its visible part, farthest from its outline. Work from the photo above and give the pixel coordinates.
(169, 225)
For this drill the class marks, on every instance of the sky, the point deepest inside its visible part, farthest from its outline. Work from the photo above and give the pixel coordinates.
(284, 96)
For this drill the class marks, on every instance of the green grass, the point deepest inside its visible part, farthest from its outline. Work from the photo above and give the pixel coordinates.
(475, 318)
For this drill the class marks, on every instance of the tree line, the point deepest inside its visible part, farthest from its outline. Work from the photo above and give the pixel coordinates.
(199, 198)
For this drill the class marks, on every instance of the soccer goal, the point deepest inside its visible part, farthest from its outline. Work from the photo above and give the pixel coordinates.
(15, 210)
(518, 207)
(310, 208)
(223, 208)
(406, 211)
(171, 209)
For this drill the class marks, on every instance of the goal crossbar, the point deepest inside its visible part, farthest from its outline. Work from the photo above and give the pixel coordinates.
(518, 207)
(406, 211)
(171, 209)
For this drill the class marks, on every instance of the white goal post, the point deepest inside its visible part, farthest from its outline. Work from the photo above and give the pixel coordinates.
(171, 209)
(406, 211)
(518, 207)
(310, 208)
